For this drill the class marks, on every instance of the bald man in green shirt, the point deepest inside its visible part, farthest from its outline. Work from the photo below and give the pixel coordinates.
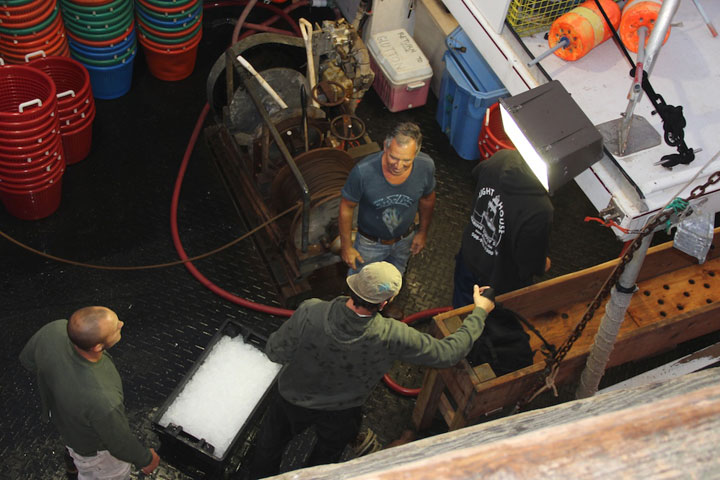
(82, 394)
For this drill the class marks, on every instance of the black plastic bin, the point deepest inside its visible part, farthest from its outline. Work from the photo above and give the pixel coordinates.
(196, 451)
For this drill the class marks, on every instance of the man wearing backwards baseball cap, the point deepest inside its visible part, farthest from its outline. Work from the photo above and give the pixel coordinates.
(335, 352)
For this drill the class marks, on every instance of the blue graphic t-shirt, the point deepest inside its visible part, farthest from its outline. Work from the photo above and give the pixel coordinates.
(385, 210)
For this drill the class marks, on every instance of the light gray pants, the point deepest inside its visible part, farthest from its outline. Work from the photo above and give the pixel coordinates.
(102, 466)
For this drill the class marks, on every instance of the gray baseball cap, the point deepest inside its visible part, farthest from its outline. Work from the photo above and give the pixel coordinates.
(376, 282)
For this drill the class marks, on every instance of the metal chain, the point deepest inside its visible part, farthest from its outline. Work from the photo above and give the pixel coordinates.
(552, 363)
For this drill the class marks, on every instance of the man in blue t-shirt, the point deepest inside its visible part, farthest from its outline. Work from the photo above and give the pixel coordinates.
(389, 187)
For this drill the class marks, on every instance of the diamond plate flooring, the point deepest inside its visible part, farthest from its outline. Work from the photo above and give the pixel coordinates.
(115, 211)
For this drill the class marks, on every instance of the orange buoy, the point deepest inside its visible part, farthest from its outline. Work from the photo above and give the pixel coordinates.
(636, 14)
(583, 28)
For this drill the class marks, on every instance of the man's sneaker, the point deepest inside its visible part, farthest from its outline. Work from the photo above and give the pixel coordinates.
(365, 443)
(70, 467)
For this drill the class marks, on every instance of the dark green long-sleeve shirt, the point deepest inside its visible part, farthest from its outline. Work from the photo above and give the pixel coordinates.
(83, 399)
(335, 357)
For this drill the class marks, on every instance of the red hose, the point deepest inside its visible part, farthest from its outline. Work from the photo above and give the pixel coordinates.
(412, 392)
(278, 13)
(259, 27)
(241, 21)
(281, 312)
(424, 314)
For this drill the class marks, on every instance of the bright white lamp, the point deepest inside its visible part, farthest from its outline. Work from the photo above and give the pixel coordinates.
(552, 133)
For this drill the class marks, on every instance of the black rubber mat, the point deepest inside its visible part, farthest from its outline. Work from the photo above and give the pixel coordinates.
(115, 211)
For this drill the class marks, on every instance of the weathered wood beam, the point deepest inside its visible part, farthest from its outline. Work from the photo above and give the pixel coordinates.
(669, 430)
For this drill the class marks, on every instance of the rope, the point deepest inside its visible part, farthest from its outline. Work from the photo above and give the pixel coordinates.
(152, 266)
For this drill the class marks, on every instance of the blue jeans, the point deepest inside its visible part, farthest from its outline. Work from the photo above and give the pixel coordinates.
(464, 280)
(398, 253)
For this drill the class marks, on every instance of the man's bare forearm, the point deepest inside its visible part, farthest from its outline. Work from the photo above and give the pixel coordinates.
(426, 206)
(345, 217)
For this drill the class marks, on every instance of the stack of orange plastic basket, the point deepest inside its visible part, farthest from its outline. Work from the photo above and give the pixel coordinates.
(170, 32)
(30, 25)
(492, 134)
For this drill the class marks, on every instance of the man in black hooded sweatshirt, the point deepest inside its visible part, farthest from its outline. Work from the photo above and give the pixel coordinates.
(506, 242)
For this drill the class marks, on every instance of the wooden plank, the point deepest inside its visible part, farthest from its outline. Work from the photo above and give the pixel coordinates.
(583, 285)
(447, 410)
(666, 334)
(572, 418)
(670, 438)
(442, 329)
(630, 345)
(427, 401)
(457, 382)
(708, 356)
(682, 290)
(452, 324)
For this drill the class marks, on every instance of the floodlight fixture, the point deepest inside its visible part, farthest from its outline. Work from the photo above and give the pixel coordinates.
(554, 136)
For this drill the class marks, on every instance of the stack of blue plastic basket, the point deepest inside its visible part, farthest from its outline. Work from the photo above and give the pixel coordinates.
(469, 86)
(102, 38)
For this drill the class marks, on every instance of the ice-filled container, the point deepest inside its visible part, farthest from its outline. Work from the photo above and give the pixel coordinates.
(218, 399)
(402, 72)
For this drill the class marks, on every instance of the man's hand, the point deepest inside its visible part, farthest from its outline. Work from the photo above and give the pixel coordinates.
(418, 243)
(350, 256)
(480, 301)
(147, 470)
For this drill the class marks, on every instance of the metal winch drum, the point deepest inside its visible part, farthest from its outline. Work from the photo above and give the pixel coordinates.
(325, 171)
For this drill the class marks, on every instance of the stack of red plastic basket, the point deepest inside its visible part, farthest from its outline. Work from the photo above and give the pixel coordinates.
(492, 134)
(102, 38)
(76, 107)
(30, 25)
(31, 155)
(170, 32)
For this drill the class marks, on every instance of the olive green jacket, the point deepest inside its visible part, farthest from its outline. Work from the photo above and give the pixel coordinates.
(333, 357)
(83, 399)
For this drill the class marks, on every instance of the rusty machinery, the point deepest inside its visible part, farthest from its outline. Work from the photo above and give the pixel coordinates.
(274, 157)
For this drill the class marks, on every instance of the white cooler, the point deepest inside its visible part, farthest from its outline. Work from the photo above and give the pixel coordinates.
(402, 72)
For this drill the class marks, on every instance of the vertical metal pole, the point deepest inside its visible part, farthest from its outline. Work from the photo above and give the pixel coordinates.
(610, 324)
(657, 36)
(303, 107)
(635, 92)
(662, 24)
